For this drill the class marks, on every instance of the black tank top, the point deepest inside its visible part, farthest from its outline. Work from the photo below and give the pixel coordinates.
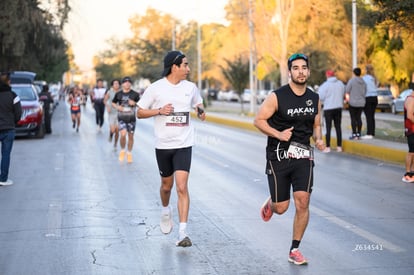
(296, 111)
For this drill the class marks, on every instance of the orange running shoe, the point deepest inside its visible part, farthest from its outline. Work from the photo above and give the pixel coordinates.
(129, 157)
(121, 155)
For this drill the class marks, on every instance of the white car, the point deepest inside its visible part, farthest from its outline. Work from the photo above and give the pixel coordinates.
(397, 105)
(246, 96)
(230, 96)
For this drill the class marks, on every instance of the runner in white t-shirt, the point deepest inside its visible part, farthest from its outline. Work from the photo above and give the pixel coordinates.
(170, 101)
(98, 95)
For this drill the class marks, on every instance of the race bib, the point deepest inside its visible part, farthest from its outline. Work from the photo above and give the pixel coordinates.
(300, 151)
(178, 119)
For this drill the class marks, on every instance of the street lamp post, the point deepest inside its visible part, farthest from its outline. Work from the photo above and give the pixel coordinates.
(252, 62)
(354, 35)
(199, 55)
(173, 38)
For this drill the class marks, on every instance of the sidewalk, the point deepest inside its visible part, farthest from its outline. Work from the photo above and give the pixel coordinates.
(382, 150)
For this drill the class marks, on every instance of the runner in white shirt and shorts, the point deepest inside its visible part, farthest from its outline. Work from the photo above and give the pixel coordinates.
(170, 101)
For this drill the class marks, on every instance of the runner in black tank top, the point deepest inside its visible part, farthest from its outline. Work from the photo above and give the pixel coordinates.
(289, 117)
(409, 133)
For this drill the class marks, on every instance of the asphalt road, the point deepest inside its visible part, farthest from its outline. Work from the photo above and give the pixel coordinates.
(74, 209)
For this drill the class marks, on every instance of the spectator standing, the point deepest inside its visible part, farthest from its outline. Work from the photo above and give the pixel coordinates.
(356, 90)
(170, 101)
(97, 96)
(409, 133)
(371, 101)
(331, 93)
(47, 100)
(10, 113)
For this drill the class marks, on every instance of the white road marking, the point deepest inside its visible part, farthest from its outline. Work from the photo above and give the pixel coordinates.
(54, 220)
(359, 231)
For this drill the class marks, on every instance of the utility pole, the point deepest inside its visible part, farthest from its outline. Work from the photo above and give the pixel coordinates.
(199, 55)
(354, 35)
(173, 38)
(252, 62)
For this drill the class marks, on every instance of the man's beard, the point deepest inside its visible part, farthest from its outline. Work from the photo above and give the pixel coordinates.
(299, 82)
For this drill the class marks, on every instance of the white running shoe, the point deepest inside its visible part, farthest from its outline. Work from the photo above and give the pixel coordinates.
(7, 182)
(367, 137)
(166, 223)
(326, 150)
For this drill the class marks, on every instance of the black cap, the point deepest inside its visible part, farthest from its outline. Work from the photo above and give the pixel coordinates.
(172, 57)
(127, 78)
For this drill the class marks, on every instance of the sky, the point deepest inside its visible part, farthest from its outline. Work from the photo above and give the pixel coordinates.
(93, 22)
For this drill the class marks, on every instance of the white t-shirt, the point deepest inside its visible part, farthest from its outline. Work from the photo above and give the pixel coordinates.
(173, 131)
(99, 93)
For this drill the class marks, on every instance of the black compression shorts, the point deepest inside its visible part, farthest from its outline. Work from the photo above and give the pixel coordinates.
(171, 160)
(410, 142)
(283, 174)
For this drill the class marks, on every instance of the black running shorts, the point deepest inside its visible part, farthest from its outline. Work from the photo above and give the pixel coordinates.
(129, 126)
(171, 160)
(410, 141)
(287, 173)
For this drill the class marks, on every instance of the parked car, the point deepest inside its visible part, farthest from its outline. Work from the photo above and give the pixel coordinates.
(39, 84)
(32, 121)
(233, 96)
(398, 103)
(385, 99)
(261, 95)
(22, 77)
(246, 95)
(228, 96)
(212, 94)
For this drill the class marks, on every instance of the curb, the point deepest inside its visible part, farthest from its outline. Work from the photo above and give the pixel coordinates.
(357, 148)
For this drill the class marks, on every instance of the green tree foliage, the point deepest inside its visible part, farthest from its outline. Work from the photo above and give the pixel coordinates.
(237, 73)
(109, 63)
(400, 12)
(153, 38)
(390, 39)
(29, 40)
(213, 37)
(321, 29)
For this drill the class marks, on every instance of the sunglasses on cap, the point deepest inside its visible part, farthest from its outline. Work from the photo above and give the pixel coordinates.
(180, 54)
(295, 56)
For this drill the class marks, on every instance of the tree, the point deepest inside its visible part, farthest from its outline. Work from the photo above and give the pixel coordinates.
(109, 63)
(390, 42)
(151, 39)
(213, 38)
(29, 39)
(400, 12)
(237, 73)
